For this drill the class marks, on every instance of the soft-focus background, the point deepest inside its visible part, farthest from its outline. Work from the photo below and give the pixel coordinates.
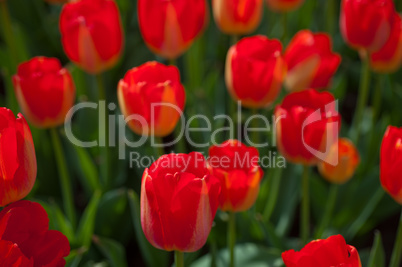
(362, 212)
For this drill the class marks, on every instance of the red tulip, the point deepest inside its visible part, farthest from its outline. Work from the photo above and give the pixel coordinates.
(26, 225)
(45, 91)
(389, 57)
(332, 251)
(308, 125)
(255, 70)
(310, 60)
(237, 17)
(179, 200)
(153, 97)
(366, 24)
(284, 5)
(170, 27)
(91, 34)
(236, 166)
(11, 255)
(17, 158)
(391, 163)
(347, 158)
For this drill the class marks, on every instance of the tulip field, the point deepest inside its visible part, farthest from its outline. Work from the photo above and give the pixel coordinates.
(237, 133)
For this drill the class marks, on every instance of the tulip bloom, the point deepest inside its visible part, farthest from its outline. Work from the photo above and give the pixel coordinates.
(237, 17)
(310, 60)
(284, 5)
(391, 163)
(91, 34)
(236, 166)
(307, 124)
(255, 70)
(170, 27)
(26, 225)
(11, 255)
(366, 24)
(346, 158)
(152, 98)
(45, 91)
(332, 251)
(179, 199)
(17, 158)
(389, 57)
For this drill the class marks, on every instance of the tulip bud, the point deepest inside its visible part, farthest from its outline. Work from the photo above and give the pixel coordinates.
(284, 5)
(332, 251)
(391, 163)
(170, 27)
(389, 58)
(17, 158)
(307, 125)
(91, 34)
(254, 71)
(366, 24)
(236, 166)
(26, 225)
(237, 17)
(179, 200)
(45, 91)
(310, 60)
(152, 98)
(347, 157)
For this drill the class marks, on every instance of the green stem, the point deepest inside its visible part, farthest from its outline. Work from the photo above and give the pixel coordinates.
(65, 182)
(284, 26)
(331, 17)
(104, 163)
(255, 137)
(305, 206)
(10, 41)
(159, 150)
(172, 62)
(362, 100)
(235, 39)
(232, 237)
(275, 184)
(365, 214)
(179, 258)
(329, 208)
(397, 252)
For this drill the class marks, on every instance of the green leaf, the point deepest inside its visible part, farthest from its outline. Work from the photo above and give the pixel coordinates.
(247, 254)
(87, 223)
(112, 250)
(89, 173)
(377, 255)
(152, 256)
(75, 257)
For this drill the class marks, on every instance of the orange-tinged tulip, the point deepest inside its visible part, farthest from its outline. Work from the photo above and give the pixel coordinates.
(236, 166)
(152, 98)
(310, 60)
(91, 34)
(284, 5)
(238, 16)
(255, 71)
(170, 27)
(17, 158)
(347, 157)
(389, 58)
(391, 163)
(45, 91)
(366, 24)
(308, 124)
(179, 199)
(332, 251)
